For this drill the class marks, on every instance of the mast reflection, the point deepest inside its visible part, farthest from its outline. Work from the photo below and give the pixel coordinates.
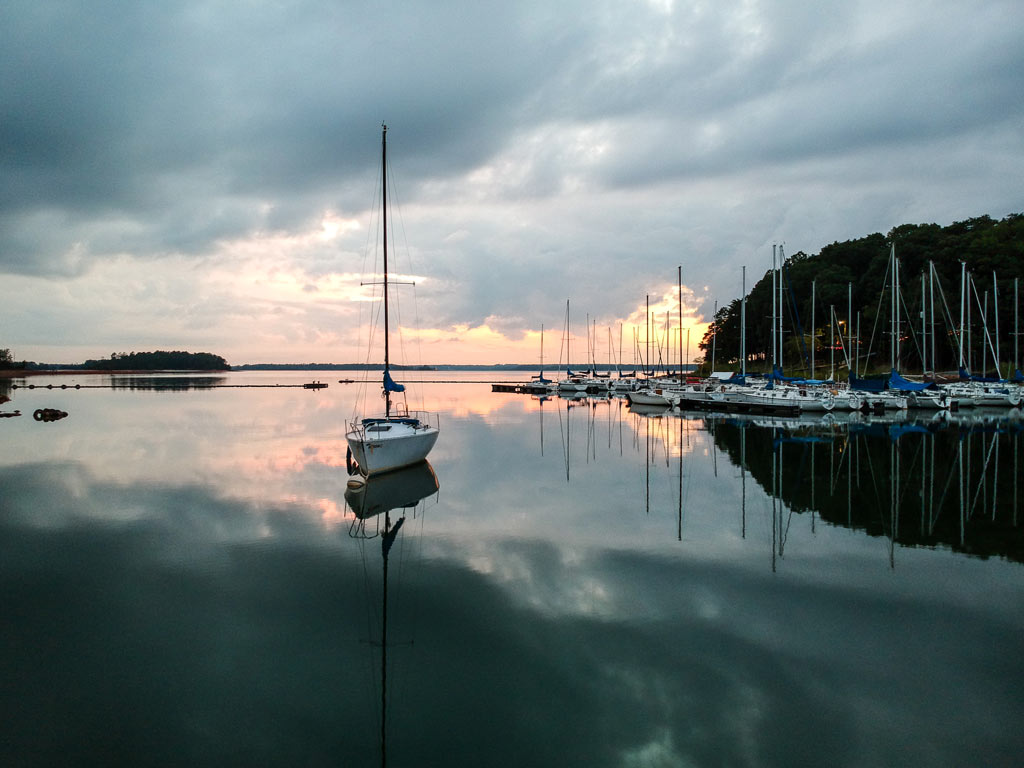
(372, 501)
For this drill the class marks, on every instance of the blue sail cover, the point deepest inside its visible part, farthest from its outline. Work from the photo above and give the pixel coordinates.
(540, 379)
(777, 375)
(867, 385)
(965, 376)
(900, 384)
(390, 385)
(1018, 377)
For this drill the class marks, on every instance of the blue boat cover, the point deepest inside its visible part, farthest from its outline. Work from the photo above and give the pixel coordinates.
(867, 385)
(900, 384)
(965, 376)
(390, 385)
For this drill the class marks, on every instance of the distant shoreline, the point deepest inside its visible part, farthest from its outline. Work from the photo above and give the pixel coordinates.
(14, 373)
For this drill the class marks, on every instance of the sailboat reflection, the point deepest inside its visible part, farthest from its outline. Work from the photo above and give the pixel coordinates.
(372, 500)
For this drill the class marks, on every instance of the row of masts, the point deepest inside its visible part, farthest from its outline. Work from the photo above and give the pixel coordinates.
(845, 335)
(643, 358)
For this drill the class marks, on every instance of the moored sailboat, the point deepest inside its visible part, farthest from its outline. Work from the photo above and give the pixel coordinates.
(399, 437)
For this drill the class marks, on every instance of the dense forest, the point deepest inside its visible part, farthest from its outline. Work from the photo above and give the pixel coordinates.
(159, 361)
(991, 251)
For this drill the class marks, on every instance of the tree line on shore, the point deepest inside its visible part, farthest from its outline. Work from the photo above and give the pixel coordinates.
(992, 255)
(159, 360)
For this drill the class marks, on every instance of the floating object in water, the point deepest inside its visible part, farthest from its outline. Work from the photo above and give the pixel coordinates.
(48, 414)
(315, 385)
(9, 414)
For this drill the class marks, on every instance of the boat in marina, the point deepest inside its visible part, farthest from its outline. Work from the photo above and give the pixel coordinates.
(398, 437)
(805, 399)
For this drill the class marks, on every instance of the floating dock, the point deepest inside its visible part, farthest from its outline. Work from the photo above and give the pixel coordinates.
(522, 389)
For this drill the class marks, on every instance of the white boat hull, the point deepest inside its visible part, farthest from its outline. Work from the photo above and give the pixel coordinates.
(652, 397)
(383, 446)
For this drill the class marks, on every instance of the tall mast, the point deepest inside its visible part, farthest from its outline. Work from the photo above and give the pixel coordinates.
(782, 259)
(814, 332)
(714, 337)
(995, 316)
(681, 328)
(648, 365)
(774, 344)
(743, 327)
(963, 288)
(849, 328)
(924, 331)
(568, 341)
(931, 302)
(384, 219)
(831, 342)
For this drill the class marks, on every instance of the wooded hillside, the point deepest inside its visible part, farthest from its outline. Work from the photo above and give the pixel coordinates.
(993, 252)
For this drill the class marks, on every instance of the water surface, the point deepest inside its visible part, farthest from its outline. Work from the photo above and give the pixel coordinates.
(185, 583)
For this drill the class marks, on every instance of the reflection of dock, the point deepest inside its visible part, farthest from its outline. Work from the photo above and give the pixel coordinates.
(522, 389)
(756, 409)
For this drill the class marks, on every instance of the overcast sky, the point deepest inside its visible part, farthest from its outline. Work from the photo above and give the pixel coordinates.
(202, 175)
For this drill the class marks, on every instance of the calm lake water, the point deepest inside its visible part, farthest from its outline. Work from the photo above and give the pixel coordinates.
(185, 583)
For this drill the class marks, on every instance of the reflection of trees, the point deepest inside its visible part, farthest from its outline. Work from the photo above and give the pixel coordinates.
(169, 383)
(949, 488)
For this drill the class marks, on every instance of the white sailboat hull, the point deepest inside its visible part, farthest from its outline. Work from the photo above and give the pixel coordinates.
(652, 397)
(380, 445)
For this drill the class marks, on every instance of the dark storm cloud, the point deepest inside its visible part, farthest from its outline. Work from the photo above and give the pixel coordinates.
(180, 119)
(557, 139)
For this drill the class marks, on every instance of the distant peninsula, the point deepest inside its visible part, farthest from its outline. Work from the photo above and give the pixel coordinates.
(159, 361)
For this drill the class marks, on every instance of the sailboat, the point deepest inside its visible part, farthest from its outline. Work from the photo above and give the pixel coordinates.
(399, 437)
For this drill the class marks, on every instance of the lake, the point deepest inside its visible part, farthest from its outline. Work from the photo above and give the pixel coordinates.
(573, 583)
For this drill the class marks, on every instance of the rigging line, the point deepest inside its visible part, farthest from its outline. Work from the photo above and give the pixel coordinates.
(419, 342)
(874, 480)
(367, 308)
(942, 498)
(844, 456)
(984, 474)
(910, 472)
(878, 311)
(913, 333)
(946, 314)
